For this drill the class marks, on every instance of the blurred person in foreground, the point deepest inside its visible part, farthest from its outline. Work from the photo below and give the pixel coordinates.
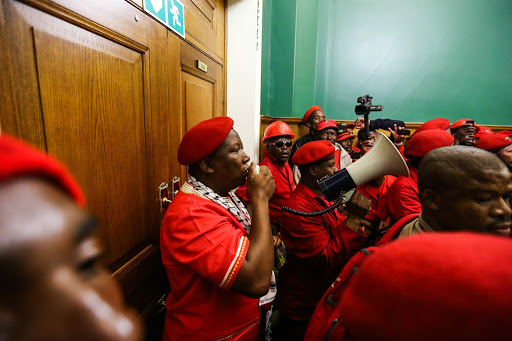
(435, 286)
(53, 285)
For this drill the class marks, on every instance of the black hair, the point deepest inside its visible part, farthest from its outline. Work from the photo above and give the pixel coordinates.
(361, 135)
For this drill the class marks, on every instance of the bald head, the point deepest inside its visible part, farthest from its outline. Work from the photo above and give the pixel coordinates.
(465, 189)
(450, 166)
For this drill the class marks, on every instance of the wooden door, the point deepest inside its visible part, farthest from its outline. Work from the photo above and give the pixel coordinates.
(202, 92)
(205, 26)
(88, 82)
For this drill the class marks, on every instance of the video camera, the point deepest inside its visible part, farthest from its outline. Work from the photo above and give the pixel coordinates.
(366, 105)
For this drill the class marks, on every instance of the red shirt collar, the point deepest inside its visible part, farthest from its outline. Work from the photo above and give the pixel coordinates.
(273, 159)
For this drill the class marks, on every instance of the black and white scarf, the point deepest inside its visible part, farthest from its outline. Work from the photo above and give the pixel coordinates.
(235, 206)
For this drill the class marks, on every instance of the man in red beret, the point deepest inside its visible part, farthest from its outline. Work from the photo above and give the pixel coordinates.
(311, 119)
(317, 247)
(462, 189)
(54, 286)
(219, 259)
(500, 145)
(346, 140)
(327, 131)
(402, 198)
(463, 132)
(443, 287)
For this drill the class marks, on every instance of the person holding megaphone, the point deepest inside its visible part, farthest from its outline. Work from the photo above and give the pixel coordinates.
(317, 247)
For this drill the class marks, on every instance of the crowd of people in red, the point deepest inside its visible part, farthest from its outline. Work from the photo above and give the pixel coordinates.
(422, 257)
(459, 182)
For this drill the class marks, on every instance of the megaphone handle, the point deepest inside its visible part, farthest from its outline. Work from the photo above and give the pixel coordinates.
(347, 195)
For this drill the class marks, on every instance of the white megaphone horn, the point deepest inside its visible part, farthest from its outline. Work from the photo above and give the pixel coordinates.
(382, 159)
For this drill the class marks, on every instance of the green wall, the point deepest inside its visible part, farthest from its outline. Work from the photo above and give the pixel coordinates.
(420, 59)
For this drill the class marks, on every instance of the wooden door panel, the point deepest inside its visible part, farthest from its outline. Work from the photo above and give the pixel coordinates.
(118, 16)
(20, 76)
(204, 26)
(87, 94)
(201, 92)
(175, 122)
(94, 122)
(215, 74)
(198, 97)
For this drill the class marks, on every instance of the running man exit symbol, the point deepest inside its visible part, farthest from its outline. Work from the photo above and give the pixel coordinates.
(176, 15)
(169, 12)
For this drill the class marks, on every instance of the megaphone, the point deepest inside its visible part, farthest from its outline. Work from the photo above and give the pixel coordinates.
(382, 159)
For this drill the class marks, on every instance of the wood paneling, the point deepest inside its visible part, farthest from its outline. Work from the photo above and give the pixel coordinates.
(111, 96)
(204, 26)
(90, 85)
(175, 122)
(197, 99)
(202, 92)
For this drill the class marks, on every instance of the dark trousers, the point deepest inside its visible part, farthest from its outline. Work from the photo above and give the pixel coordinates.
(290, 330)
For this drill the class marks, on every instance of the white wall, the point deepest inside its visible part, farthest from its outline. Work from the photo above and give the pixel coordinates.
(243, 47)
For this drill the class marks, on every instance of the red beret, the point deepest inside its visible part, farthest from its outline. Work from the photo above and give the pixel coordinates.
(433, 286)
(344, 136)
(436, 123)
(481, 131)
(19, 159)
(425, 141)
(309, 112)
(461, 122)
(505, 132)
(312, 152)
(493, 142)
(350, 126)
(203, 139)
(327, 123)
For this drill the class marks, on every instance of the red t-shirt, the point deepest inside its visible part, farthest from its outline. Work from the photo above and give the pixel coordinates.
(203, 247)
(316, 250)
(283, 177)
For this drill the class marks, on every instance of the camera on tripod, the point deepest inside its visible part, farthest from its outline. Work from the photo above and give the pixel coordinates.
(366, 105)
